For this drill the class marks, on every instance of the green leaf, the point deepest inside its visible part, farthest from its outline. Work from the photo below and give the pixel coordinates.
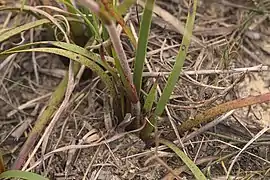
(74, 10)
(189, 163)
(76, 57)
(142, 44)
(174, 76)
(70, 47)
(11, 32)
(150, 98)
(147, 109)
(21, 175)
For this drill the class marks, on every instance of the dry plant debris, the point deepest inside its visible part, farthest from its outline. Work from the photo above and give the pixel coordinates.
(229, 58)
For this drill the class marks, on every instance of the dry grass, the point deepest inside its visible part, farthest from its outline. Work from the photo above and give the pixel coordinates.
(221, 41)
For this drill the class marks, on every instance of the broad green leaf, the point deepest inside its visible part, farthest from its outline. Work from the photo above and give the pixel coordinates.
(189, 163)
(21, 175)
(8, 34)
(142, 44)
(76, 57)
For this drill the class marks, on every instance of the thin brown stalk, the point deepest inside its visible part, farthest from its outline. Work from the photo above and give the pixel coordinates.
(207, 115)
(116, 42)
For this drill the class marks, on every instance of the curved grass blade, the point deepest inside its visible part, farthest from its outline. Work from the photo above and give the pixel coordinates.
(174, 76)
(75, 10)
(80, 50)
(18, 8)
(21, 175)
(73, 48)
(12, 32)
(47, 15)
(189, 163)
(76, 57)
(142, 44)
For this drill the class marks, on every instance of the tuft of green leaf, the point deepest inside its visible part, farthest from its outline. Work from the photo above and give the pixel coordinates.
(174, 76)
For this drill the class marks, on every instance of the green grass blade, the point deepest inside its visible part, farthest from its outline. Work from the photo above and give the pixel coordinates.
(150, 98)
(189, 163)
(70, 47)
(21, 175)
(76, 57)
(173, 78)
(12, 32)
(142, 44)
(73, 9)
(84, 52)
